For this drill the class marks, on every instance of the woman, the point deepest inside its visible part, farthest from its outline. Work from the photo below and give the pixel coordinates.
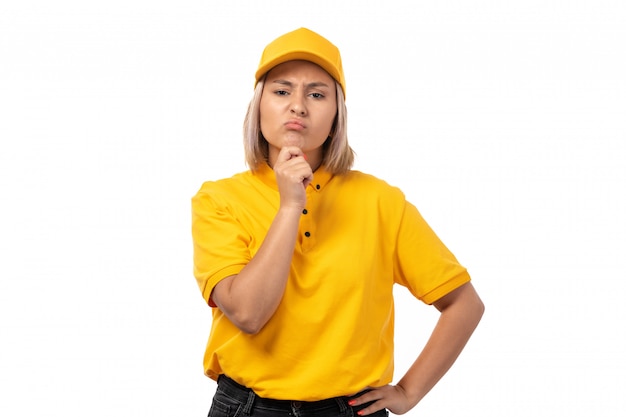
(298, 257)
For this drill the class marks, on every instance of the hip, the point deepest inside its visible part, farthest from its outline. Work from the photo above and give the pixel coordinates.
(233, 400)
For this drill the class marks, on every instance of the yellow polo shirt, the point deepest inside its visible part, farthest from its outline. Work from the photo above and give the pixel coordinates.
(332, 333)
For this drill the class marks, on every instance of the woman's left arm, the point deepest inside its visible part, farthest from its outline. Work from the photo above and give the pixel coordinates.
(461, 310)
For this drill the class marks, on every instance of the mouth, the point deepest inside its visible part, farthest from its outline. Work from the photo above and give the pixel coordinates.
(294, 125)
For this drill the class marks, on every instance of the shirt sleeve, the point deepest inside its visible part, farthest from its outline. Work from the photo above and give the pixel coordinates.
(423, 263)
(220, 244)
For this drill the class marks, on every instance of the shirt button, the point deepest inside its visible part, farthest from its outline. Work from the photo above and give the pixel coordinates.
(305, 211)
(307, 234)
(318, 186)
(297, 404)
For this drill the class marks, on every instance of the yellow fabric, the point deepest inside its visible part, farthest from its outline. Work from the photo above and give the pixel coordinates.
(333, 331)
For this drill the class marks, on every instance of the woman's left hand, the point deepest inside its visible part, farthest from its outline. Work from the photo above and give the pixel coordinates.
(391, 397)
(461, 311)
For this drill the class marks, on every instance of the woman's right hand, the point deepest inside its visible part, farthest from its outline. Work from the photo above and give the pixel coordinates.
(293, 175)
(250, 298)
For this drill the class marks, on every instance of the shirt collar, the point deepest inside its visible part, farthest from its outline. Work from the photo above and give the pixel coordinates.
(321, 177)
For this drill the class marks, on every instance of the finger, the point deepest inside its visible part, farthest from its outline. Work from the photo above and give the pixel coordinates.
(372, 394)
(307, 180)
(288, 152)
(371, 402)
(370, 409)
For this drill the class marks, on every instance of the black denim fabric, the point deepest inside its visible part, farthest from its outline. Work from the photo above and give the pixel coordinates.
(234, 400)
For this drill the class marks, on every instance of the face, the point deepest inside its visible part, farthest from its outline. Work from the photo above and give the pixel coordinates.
(298, 108)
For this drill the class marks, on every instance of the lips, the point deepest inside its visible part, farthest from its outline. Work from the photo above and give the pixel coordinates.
(294, 124)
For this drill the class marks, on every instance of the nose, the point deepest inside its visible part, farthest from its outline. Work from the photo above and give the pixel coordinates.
(298, 107)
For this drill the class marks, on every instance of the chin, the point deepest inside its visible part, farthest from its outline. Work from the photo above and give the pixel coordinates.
(293, 142)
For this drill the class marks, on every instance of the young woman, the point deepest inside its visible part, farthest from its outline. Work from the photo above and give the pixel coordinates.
(298, 257)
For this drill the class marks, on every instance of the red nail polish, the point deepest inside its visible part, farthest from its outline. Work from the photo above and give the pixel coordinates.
(304, 156)
(360, 412)
(351, 403)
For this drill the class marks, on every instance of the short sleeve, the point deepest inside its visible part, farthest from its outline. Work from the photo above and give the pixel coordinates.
(422, 262)
(220, 243)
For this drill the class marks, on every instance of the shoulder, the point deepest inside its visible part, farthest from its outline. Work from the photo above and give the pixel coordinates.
(369, 185)
(240, 180)
(225, 189)
(375, 196)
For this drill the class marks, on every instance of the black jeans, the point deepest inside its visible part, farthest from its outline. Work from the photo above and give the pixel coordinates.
(234, 400)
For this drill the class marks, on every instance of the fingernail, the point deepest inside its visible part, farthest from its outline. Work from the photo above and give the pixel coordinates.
(351, 403)
(304, 156)
(360, 412)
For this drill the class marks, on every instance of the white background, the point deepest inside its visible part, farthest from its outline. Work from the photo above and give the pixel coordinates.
(504, 122)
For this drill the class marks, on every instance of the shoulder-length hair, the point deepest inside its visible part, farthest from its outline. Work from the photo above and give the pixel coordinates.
(337, 157)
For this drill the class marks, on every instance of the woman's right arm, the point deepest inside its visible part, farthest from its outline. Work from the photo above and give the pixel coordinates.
(250, 298)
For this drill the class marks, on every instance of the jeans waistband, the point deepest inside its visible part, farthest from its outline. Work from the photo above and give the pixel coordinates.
(251, 399)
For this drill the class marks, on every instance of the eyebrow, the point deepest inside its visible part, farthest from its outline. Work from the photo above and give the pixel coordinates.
(314, 84)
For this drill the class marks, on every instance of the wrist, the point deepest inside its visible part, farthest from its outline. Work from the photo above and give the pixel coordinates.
(290, 209)
(412, 394)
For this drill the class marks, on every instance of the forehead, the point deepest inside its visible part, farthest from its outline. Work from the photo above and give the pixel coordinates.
(305, 69)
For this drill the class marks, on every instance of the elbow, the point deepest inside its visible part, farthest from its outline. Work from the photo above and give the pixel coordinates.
(479, 306)
(244, 315)
(248, 320)
(250, 329)
(249, 324)
(481, 310)
(478, 309)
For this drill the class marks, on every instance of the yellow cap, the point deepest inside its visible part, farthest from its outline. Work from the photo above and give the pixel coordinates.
(306, 45)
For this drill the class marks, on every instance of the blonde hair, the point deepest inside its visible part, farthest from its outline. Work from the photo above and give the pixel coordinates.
(338, 156)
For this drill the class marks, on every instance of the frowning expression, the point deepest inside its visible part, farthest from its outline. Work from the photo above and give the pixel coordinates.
(298, 108)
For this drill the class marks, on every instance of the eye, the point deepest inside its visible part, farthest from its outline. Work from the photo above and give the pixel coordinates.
(317, 95)
(280, 92)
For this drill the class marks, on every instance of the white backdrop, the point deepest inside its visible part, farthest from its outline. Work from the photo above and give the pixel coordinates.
(503, 121)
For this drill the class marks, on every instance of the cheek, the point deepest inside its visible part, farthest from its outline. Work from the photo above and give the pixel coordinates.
(267, 114)
(330, 119)
(264, 120)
